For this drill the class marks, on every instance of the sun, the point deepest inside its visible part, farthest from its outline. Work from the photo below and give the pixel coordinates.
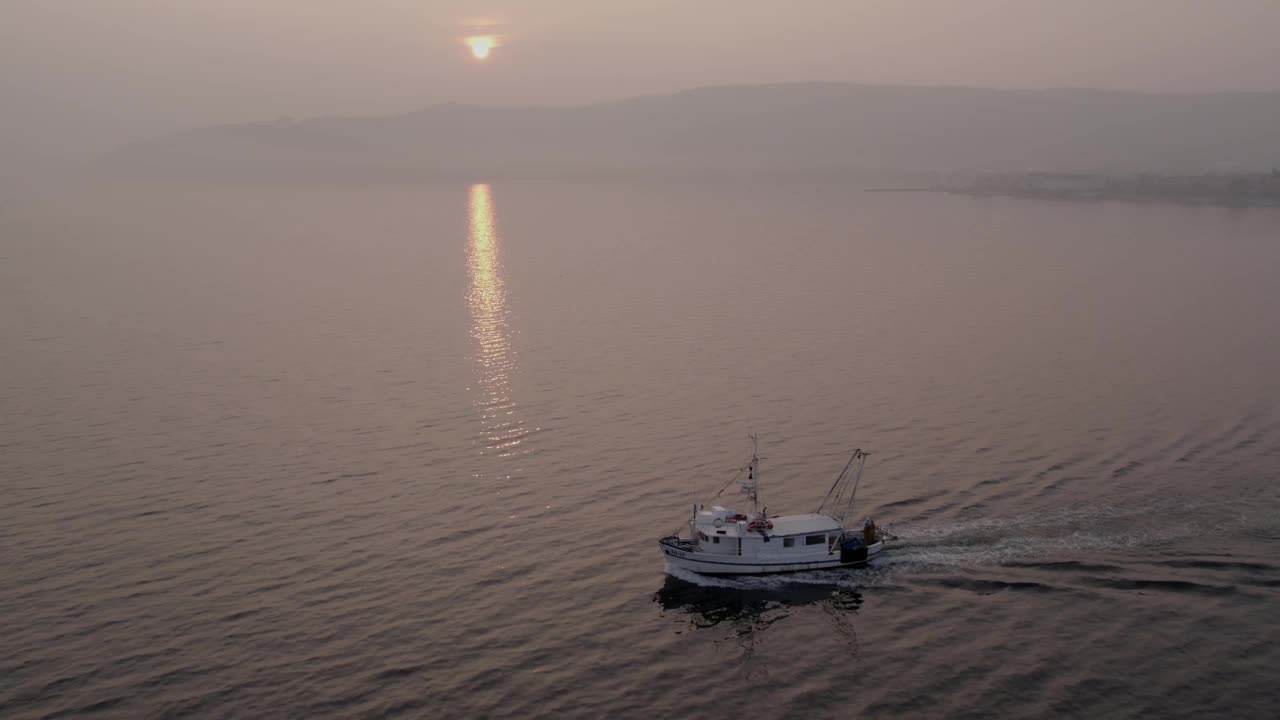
(482, 45)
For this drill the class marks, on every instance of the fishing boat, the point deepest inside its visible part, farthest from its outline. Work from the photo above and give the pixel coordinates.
(726, 541)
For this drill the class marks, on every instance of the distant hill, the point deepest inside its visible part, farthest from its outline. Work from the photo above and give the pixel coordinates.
(789, 128)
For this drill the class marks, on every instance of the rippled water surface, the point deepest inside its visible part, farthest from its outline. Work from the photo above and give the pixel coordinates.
(404, 451)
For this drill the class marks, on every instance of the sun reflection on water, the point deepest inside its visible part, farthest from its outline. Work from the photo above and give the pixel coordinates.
(501, 430)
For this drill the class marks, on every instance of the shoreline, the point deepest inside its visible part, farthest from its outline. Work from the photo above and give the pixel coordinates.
(1192, 201)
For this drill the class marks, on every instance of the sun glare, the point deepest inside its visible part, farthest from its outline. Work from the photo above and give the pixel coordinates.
(482, 45)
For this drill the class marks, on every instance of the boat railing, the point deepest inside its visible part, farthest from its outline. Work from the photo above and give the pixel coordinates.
(679, 543)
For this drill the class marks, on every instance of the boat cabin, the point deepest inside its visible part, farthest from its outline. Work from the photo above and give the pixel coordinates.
(723, 531)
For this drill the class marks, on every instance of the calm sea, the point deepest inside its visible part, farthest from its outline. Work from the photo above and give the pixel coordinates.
(404, 451)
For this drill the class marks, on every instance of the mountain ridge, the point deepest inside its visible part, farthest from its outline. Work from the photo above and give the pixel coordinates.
(746, 129)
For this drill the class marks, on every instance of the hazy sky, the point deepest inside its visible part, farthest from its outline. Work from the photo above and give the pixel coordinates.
(105, 71)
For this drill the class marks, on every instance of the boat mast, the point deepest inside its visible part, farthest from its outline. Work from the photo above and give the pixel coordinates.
(755, 473)
(751, 486)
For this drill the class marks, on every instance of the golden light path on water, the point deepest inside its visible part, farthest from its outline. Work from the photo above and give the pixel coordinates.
(501, 429)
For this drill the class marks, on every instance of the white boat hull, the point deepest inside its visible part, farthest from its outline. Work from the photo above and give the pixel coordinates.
(700, 563)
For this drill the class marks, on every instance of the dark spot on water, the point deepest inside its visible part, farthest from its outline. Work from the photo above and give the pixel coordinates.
(910, 501)
(1222, 565)
(243, 614)
(1174, 586)
(989, 587)
(1249, 441)
(1065, 566)
(398, 672)
(1128, 468)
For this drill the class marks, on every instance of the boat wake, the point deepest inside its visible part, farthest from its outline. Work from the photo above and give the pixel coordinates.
(1060, 534)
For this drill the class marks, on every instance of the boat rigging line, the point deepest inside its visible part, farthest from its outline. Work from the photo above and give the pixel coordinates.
(846, 482)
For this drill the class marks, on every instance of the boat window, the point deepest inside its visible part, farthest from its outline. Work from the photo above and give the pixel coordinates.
(715, 540)
(788, 542)
(815, 539)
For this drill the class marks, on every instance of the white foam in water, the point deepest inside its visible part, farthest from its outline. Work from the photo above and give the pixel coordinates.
(1045, 536)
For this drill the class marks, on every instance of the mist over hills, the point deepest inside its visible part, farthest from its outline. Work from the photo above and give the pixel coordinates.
(789, 128)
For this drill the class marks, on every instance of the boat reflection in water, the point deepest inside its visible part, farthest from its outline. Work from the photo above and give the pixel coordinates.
(501, 430)
(748, 607)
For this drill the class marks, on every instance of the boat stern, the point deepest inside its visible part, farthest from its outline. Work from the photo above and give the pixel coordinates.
(677, 552)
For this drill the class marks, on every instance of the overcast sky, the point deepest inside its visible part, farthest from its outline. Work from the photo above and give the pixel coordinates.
(107, 71)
